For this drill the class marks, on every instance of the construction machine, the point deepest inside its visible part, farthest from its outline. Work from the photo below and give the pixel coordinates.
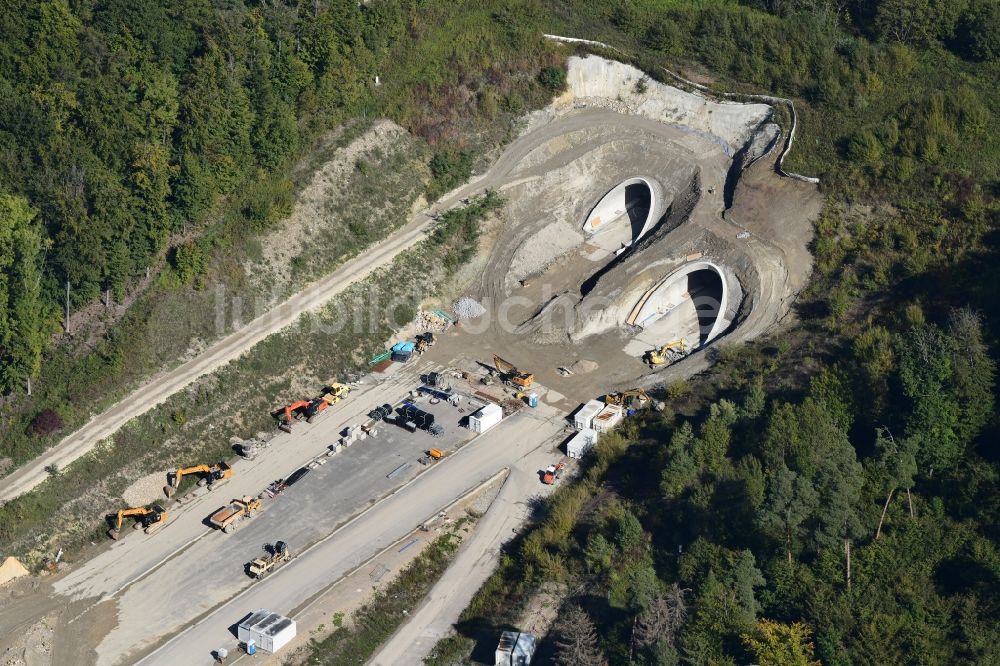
(552, 473)
(274, 555)
(624, 397)
(228, 517)
(510, 374)
(672, 351)
(332, 394)
(212, 476)
(430, 456)
(291, 412)
(150, 518)
(425, 341)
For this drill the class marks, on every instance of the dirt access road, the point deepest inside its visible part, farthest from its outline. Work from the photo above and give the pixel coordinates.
(476, 561)
(517, 443)
(157, 390)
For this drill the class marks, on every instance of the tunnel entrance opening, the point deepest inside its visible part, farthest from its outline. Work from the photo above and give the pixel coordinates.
(688, 305)
(705, 290)
(622, 216)
(638, 201)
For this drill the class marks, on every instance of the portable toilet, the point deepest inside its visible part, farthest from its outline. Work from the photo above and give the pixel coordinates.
(533, 400)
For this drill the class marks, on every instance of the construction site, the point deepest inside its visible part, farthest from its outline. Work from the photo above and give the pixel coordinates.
(642, 226)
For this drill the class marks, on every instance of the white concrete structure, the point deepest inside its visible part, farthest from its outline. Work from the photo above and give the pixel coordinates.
(584, 416)
(609, 417)
(689, 303)
(581, 443)
(269, 631)
(486, 418)
(626, 212)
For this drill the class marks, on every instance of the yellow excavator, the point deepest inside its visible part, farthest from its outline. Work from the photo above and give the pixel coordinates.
(509, 373)
(624, 397)
(212, 476)
(668, 353)
(150, 518)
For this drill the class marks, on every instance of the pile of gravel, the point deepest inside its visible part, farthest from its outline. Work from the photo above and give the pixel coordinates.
(146, 489)
(467, 308)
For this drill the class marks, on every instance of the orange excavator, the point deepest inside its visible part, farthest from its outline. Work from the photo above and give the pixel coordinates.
(212, 476)
(332, 394)
(291, 412)
(150, 518)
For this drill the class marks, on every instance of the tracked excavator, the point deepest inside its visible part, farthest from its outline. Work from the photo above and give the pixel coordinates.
(666, 354)
(332, 394)
(624, 397)
(212, 476)
(510, 374)
(150, 518)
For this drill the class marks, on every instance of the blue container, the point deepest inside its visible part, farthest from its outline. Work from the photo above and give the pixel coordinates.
(251, 648)
(533, 400)
(630, 412)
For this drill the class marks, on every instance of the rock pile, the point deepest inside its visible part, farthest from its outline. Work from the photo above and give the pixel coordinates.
(467, 308)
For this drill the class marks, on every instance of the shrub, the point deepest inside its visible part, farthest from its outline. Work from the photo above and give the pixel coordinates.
(553, 78)
(45, 423)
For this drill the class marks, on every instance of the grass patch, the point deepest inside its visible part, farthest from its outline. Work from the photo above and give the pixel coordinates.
(379, 619)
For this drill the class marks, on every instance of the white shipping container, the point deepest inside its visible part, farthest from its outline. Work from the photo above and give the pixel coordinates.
(584, 417)
(269, 631)
(486, 418)
(608, 418)
(515, 649)
(581, 443)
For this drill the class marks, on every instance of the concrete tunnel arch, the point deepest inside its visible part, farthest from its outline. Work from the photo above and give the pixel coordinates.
(689, 303)
(633, 199)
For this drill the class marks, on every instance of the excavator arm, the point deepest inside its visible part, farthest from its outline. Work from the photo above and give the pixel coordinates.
(183, 471)
(213, 474)
(152, 518)
(125, 513)
(502, 366)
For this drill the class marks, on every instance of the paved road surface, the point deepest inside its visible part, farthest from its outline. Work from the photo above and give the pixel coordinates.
(384, 524)
(474, 563)
(506, 170)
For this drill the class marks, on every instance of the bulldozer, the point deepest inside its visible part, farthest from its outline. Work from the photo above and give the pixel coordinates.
(212, 476)
(666, 354)
(150, 518)
(511, 375)
(624, 397)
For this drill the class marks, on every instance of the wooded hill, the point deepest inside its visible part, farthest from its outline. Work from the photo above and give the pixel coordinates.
(830, 495)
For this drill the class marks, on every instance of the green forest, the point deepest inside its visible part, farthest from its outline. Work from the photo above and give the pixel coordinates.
(830, 495)
(145, 145)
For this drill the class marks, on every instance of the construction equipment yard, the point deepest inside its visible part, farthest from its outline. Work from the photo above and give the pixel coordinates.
(633, 221)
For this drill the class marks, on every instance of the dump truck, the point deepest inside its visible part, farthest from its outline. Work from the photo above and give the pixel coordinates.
(228, 517)
(552, 473)
(275, 555)
(213, 476)
(149, 518)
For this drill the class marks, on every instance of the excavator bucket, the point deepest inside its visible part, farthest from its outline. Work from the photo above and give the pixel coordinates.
(169, 490)
(114, 534)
